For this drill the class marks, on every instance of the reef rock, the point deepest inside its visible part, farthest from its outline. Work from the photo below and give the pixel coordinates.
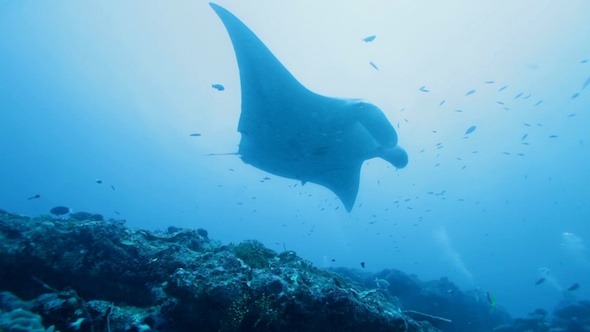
(95, 275)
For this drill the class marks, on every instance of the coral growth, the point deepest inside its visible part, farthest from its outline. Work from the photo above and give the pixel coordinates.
(98, 275)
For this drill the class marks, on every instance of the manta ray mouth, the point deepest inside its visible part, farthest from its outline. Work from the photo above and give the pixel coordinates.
(397, 156)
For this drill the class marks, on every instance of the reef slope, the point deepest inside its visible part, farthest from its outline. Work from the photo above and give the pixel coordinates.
(95, 275)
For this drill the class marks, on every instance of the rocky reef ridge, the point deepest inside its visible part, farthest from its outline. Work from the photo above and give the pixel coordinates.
(97, 275)
(89, 274)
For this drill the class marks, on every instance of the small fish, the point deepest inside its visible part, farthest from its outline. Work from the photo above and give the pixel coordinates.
(441, 103)
(333, 260)
(490, 82)
(99, 181)
(502, 88)
(470, 130)
(538, 103)
(575, 95)
(571, 115)
(195, 135)
(363, 265)
(34, 197)
(470, 92)
(524, 136)
(500, 102)
(218, 86)
(381, 283)
(584, 61)
(369, 38)
(527, 124)
(373, 65)
(491, 299)
(540, 281)
(518, 95)
(586, 83)
(553, 136)
(60, 210)
(423, 89)
(573, 287)
(112, 187)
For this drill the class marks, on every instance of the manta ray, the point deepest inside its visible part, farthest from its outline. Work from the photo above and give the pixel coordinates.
(292, 132)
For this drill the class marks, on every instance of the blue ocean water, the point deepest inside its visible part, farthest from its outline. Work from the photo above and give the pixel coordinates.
(490, 100)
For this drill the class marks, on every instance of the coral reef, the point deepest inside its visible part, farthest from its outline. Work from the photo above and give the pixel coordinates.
(21, 320)
(439, 302)
(572, 316)
(90, 274)
(93, 275)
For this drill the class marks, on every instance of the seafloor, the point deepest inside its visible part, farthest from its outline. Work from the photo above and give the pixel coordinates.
(83, 273)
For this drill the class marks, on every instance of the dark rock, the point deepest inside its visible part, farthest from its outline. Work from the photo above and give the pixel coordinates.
(80, 216)
(439, 302)
(21, 320)
(254, 254)
(173, 229)
(88, 274)
(96, 274)
(572, 315)
(533, 322)
(203, 233)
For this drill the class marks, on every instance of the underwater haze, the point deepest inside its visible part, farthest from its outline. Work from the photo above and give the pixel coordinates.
(490, 99)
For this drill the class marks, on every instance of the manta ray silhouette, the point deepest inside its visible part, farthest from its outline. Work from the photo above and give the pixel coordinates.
(290, 131)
